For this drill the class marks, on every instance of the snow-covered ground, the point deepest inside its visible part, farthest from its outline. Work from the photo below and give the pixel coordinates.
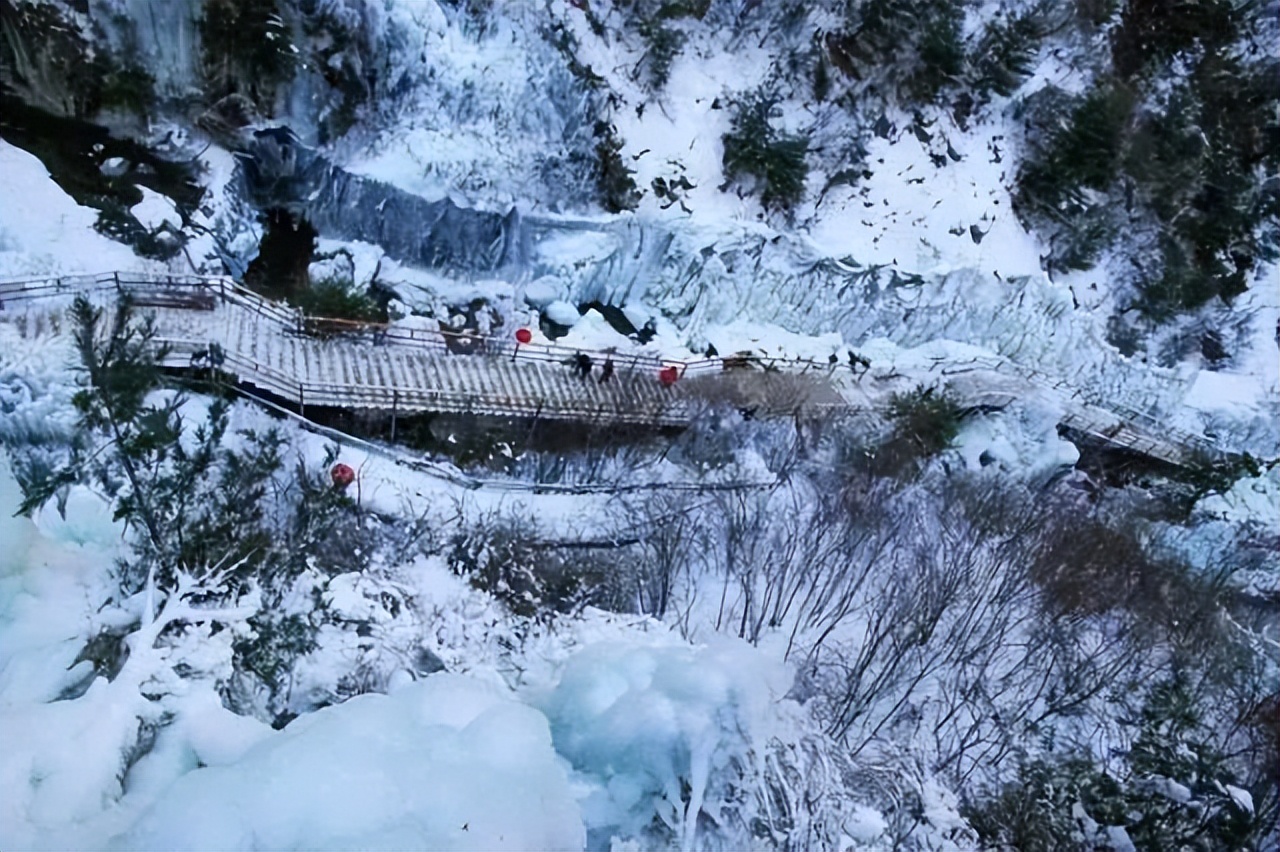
(538, 736)
(43, 232)
(597, 730)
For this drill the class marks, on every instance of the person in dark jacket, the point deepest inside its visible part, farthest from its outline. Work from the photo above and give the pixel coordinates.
(606, 372)
(582, 365)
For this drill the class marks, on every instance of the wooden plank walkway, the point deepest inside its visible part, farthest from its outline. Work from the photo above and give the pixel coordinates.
(319, 362)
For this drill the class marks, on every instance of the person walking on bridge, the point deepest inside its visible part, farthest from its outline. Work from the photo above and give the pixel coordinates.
(582, 365)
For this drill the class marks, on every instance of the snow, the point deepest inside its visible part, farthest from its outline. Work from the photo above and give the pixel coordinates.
(543, 292)
(941, 809)
(60, 758)
(1242, 798)
(1251, 499)
(1173, 790)
(682, 137)
(637, 314)
(1023, 438)
(1247, 514)
(1232, 392)
(114, 166)
(597, 729)
(561, 313)
(591, 331)
(445, 763)
(866, 825)
(155, 210)
(1119, 840)
(892, 217)
(226, 235)
(42, 574)
(44, 232)
(771, 341)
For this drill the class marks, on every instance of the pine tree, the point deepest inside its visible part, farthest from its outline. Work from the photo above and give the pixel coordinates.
(755, 149)
(913, 46)
(1173, 790)
(1005, 54)
(121, 371)
(197, 510)
(614, 182)
(159, 484)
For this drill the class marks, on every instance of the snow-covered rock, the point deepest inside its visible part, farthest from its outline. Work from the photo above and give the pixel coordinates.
(446, 763)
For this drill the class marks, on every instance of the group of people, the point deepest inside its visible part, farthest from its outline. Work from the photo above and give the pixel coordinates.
(856, 362)
(582, 365)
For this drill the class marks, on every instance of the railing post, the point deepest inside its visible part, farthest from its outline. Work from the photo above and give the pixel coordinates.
(395, 403)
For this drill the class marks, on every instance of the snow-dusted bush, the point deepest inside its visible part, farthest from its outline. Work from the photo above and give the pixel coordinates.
(924, 423)
(1172, 789)
(338, 299)
(507, 556)
(614, 181)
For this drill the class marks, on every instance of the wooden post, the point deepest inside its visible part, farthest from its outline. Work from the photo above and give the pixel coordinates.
(533, 422)
(395, 399)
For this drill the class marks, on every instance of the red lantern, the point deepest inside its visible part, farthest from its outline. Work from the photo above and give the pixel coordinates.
(342, 475)
(668, 376)
(523, 335)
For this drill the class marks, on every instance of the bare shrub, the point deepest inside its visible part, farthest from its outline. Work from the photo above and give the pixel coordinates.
(915, 609)
(1088, 564)
(762, 391)
(669, 532)
(964, 620)
(507, 556)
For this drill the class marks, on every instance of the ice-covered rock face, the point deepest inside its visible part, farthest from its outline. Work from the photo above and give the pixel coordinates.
(703, 277)
(172, 58)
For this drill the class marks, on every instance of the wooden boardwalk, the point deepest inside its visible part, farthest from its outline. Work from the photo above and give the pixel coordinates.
(310, 362)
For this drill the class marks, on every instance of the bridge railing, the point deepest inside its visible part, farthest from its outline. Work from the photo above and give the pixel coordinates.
(304, 393)
(295, 321)
(457, 342)
(1089, 405)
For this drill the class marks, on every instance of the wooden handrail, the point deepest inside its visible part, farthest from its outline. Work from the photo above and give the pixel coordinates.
(1094, 416)
(297, 321)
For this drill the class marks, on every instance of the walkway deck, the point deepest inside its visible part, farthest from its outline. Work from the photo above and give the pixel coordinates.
(320, 362)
